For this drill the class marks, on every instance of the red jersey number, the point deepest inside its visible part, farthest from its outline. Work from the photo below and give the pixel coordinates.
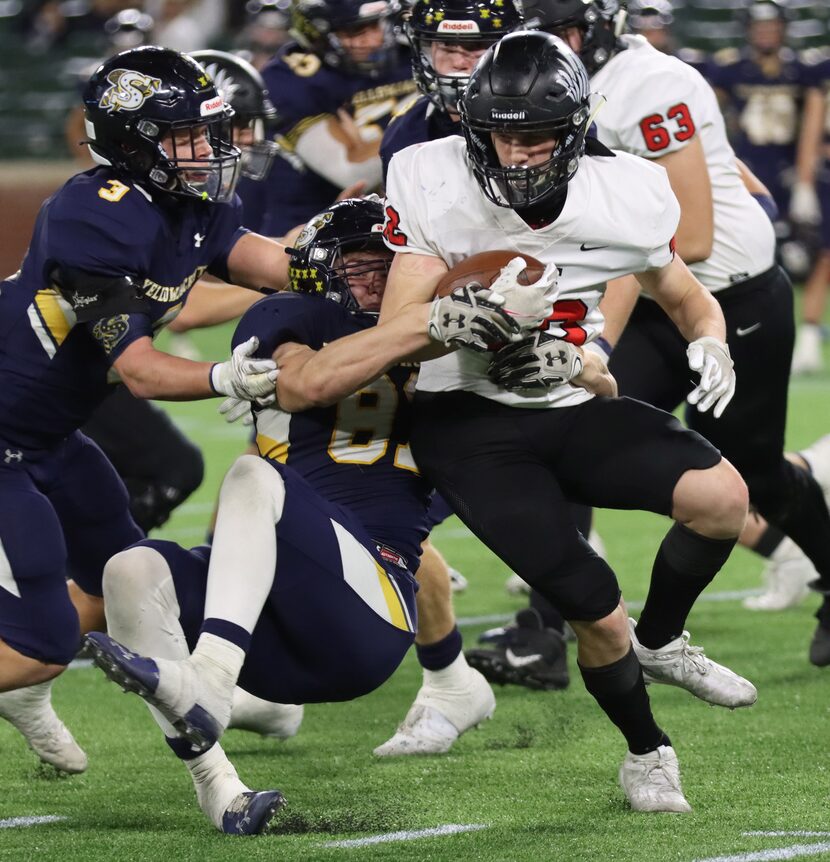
(658, 137)
(568, 314)
(391, 230)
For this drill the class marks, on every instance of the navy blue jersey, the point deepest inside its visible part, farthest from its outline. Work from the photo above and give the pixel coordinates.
(418, 122)
(767, 107)
(355, 453)
(818, 75)
(304, 90)
(55, 370)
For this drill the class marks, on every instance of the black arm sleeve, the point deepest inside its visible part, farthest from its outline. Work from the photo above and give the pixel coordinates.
(93, 297)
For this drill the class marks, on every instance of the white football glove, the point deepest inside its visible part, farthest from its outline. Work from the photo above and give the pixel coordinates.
(804, 205)
(540, 362)
(710, 358)
(472, 317)
(234, 409)
(530, 304)
(244, 377)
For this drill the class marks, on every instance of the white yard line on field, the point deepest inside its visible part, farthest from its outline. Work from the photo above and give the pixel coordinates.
(14, 822)
(408, 835)
(723, 596)
(798, 833)
(774, 854)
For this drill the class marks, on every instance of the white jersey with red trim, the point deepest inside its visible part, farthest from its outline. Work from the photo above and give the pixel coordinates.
(619, 217)
(656, 105)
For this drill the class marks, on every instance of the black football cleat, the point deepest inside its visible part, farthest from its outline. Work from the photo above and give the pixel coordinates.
(820, 647)
(526, 654)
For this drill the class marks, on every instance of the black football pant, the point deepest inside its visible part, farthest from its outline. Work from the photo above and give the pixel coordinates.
(650, 364)
(159, 465)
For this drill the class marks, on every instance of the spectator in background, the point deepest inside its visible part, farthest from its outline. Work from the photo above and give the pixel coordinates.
(654, 21)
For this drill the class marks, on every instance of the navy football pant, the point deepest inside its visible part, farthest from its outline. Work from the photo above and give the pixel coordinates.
(63, 514)
(339, 619)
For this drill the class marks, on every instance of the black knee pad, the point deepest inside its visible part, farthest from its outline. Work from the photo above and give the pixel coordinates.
(583, 587)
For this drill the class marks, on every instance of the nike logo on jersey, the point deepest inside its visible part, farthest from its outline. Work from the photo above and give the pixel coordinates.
(520, 660)
(741, 332)
(584, 247)
(198, 239)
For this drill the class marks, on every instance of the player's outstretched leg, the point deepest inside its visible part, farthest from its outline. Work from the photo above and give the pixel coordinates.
(143, 611)
(30, 711)
(710, 509)
(454, 697)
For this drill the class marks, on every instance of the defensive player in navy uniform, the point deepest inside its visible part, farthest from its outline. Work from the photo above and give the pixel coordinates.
(307, 594)
(761, 88)
(810, 206)
(111, 260)
(334, 87)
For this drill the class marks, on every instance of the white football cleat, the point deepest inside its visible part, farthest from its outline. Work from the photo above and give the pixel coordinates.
(817, 457)
(30, 711)
(458, 583)
(274, 720)
(651, 782)
(807, 355)
(439, 716)
(786, 576)
(516, 586)
(678, 663)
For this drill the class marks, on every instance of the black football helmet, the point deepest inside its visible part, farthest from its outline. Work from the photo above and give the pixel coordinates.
(315, 24)
(242, 87)
(600, 21)
(528, 83)
(136, 99)
(465, 22)
(317, 265)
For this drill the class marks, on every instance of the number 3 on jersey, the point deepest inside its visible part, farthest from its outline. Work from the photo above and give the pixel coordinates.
(364, 423)
(658, 137)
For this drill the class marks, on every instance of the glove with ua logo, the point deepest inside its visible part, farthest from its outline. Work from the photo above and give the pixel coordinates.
(538, 363)
(472, 317)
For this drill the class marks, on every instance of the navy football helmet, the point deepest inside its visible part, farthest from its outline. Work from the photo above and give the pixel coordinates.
(148, 113)
(317, 265)
(464, 22)
(316, 23)
(529, 83)
(242, 87)
(600, 21)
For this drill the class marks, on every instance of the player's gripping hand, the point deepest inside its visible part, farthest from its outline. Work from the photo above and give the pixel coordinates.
(538, 363)
(234, 409)
(710, 358)
(243, 377)
(532, 303)
(472, 317)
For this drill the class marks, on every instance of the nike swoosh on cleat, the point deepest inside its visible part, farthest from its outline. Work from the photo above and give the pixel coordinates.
(741, 332)
(584, 247)
(520, 660)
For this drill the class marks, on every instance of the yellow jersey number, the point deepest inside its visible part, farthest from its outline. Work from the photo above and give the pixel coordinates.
(114, 193)
(363, 425)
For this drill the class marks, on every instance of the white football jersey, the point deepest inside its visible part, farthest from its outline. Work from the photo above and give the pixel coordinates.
(655, 105)
(619, 217)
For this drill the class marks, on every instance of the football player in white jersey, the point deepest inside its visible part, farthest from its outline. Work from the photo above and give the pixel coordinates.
(662, 109)
(508, 441)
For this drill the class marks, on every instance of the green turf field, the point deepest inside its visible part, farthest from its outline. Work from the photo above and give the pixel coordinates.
(539, 779)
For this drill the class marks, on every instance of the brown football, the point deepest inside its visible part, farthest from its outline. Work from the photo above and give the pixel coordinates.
(484, 268)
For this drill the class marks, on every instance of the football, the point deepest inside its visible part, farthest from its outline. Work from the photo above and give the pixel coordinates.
(484, 268)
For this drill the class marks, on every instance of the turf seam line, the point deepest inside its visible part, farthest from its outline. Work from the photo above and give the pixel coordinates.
(408, 835)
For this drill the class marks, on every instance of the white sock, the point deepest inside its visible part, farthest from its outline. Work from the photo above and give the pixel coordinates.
(453, 676)
(215, 781)
(244, 553)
